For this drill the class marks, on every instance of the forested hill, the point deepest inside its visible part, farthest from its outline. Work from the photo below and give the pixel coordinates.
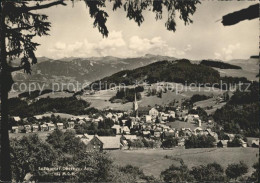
(217, 64)
(179, 71)
(241, 113)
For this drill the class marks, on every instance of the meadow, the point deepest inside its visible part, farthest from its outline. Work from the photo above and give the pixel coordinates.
(153, 161)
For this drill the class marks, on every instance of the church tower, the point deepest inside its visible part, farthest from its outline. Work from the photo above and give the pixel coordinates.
(135, 107)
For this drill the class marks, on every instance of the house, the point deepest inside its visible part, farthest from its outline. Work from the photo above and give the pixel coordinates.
(198, 131)
(231, 136)
(44, 127)
(51, 126)
(81, 122)
(15, 129)
(142, 110)
(148, 118)
(129, 137)
(255, 143)
(35, 128)
(243, 143)
(168, 134)
(85, 138)
(181, 142)
(252, 142)
(109, 115)
(172, 114)
(125, 130)
(222, 143)
(213, 134)
(117, 129)
(94, 144)
(100, 118)
(146, 133)
(27, 128)
(186, 131)
(125, 139)
(17, 118)
(110, 142)
(153, 112)
(157, 133)
(21, 129)
(60, 126)
(71, 125)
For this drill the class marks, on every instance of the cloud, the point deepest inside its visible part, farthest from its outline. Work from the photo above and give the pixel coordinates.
(142, 46)
(228, 52)
(60, 46)
(116, 45)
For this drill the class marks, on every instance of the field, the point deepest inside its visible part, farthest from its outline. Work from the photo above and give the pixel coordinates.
(250, 68)
(153, 162)
(100, 99)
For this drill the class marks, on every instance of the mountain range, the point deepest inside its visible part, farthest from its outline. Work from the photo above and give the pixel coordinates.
(87, 70)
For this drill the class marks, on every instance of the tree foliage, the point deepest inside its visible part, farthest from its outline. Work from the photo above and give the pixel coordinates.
(199, 141)
(20, 23)
(241, 112)
(207, 173)
(28, 154)
(177, 174)
(234, 171)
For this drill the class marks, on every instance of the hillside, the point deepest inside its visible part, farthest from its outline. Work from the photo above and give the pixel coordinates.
(217, 64)
(178, 71)
(241, 113)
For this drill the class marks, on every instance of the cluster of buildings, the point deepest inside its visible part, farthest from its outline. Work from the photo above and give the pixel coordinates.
(39, 127)
(146, 122)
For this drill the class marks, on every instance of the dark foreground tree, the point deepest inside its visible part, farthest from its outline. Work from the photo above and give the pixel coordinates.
(28, 155)
(234, 171)
(177, 174)
(20, 23)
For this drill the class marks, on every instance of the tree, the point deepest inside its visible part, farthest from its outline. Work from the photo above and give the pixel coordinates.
(170, 142)
(236, 142)
(177, 174)
(19, 24)
(255, 175)
(234, 171)
(65, 142)
(212, 172)
(28, 155)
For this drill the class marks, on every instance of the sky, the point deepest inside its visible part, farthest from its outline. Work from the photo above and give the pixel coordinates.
(72, 34)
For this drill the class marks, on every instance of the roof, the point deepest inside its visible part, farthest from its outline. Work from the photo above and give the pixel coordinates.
(116, 126)
(59, 124)
(251, 140)
(17, 118)
(110, 142)
(146, 132)
(125, 128)
(50, 124)
(130, 137)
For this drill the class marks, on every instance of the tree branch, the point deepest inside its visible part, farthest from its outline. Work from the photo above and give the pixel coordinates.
(20, 28)
(13, 69)
(37, 7)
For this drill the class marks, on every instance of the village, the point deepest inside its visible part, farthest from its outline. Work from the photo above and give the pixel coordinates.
(142, 128)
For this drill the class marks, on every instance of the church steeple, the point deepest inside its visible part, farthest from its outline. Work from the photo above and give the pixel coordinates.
(135, 107)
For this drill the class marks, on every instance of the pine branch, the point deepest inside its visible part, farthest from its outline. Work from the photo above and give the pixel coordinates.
(20, 28)
(38, 7)
(13, 69)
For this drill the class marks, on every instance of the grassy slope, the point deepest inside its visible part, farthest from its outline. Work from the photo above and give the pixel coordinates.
(101, 98)
(153, 161)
